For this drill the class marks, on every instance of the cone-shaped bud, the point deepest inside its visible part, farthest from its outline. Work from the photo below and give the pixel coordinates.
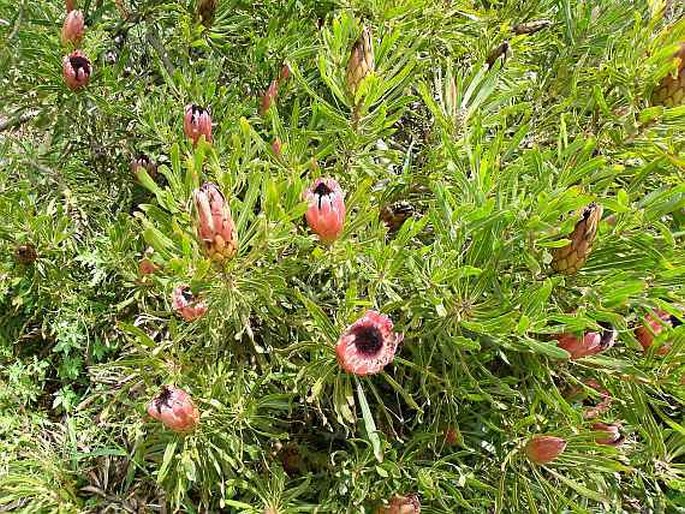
(285, 73)
(395, 214)
(175, 409)
(277, 147)
(197, 123)
(215, 227)
(326, 209)
(570, 258)
(73, 28)
(542, 449)
(186, 304)
(269, 97)
(409, 504)
(361, 62)
(206, 9)
(671, 89)
(143, 162)
(608, 434)
(25, 254)
(590, 344)
(76, 69)
(368, 345)
(452, 436)
(653, 324)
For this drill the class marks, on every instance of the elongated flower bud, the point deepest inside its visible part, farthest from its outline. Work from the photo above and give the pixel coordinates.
(610, 434)
(368, 345)
(206, 9)
(186, 304)
(269, 97)
(652, 325)
(542, 449)
(215, 227)
(326, 212)
(197, 123)
(26, 254)
(175, 409)
(590, 344)
(570, 258)
(671, 89)
(76, 69)
(402, 505)
(361, 62)
(73, 28)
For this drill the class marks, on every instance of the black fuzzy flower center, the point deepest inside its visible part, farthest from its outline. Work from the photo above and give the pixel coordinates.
(187, 295)
(78, 62)
(368, 340)
(322, 190)
(196, 111)
(163, 398)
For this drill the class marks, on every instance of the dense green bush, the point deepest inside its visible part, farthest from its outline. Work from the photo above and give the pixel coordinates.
(492, 136)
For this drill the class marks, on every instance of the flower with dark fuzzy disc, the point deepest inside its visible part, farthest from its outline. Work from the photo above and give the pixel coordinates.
(76, 69)
(409, 504)
(25, 254)
(186, 304)
(368, 345)
(570, 258)
(671, 89)
(326, 212)
(197, 123)
(73, 28)
(542, 449)
(608, 434)
(175, 409)
(215, 227)
(653, 324)
(361, 61)
(589, 344)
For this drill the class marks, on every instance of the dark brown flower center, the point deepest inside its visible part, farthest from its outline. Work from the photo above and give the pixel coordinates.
(368, 340)
(322, 190)
(675, 322)
(163, 398)
(188, 295)
(78, 62)
(196, 112)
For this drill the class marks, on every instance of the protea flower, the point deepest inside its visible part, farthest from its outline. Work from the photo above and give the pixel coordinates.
(570, 258)
(206, 9)
(25, 254)
(215, 227)
(76, 69)
(402, 505)
(394, 215)
(196, 123)
(277, 147)
(590, 344)
(653, 324)
(143, 162)
(368, 345)
(452, 436)
(611, 434)
(671, 89)
(542, 449)
(186, 304)
(73, 28)
(326, 212)
(361, 62)
(175, 408)
(285, 72)
(269, 97)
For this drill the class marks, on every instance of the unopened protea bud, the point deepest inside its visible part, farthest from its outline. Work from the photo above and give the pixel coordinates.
(186, 304)
(542, 449)
(73, 28)
(609, 434)
(570, 258)
(395, 214)
(143, 162)
(25, 254)
(361, 62)
(671, 89)
(589, 344)
(197, 123)
(76, 69)
(326, 212)
(284, 74)
(175, 408)
(409, 504)
(206, 9)
(269, 97)
(277, 147)
(215, 227)
(653, 324)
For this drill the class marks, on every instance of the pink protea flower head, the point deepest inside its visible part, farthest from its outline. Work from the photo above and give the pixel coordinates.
(277, 147)
(409, 504)
(368, 345)
(76, 69)
(215, 227)
(175, 408)
(269, 97)
(542, 449)
(196, 123)
(610, 434)
(326, 212)
(590, 344)
(186, 304)
(653, 324)
(73, 28)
